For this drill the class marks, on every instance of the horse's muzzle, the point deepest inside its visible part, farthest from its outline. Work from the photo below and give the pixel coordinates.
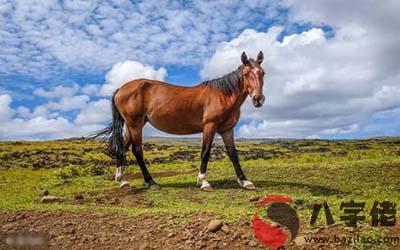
(258, 100)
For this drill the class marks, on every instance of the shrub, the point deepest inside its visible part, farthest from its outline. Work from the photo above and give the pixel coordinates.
(96, 169)
(68, 172)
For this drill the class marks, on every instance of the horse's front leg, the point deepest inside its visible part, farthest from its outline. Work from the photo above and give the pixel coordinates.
(229, 142)
(208, 137)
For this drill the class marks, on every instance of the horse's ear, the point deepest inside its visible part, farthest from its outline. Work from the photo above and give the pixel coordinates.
(260, 57)
(244, 58)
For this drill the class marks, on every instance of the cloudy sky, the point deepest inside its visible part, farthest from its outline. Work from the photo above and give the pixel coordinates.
(332, 67)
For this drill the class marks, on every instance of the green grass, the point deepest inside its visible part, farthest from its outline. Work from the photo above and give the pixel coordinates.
(309, 171)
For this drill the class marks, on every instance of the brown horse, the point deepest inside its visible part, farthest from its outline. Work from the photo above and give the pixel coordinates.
(210, 107)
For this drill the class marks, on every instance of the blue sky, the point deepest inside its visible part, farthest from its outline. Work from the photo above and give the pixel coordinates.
(331, 65)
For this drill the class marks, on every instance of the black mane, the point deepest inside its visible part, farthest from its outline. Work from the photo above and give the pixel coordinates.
(228, 83)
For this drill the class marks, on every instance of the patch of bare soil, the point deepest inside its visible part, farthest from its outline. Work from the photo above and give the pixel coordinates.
(67, 230)
(128, 196)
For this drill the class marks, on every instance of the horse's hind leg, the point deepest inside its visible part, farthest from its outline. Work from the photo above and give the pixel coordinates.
(136, 135)
(120, 171)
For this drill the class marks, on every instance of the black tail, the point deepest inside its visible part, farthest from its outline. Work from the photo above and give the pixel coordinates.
(112, 135)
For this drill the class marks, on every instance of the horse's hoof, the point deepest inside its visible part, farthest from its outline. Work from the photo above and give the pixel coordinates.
(124, 184)
(247, 185)
(152, 186)
(250, 187)
(203, 183)
(206, 189)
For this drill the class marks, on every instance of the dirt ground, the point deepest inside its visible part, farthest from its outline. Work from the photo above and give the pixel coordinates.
(69, 230)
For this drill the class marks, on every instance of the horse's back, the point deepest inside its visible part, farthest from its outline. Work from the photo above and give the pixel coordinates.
(140, 86)
(162, 104)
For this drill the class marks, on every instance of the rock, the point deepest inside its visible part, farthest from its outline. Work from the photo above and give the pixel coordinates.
(225, 229)
(71, 231)
(69, 223)
(145, 247)
(215, 225)
(244, 222)
(340, 196)
(215, 245)
(190, 242)
(78, 197)
(50, 199)
(44, 192)
(254, 198)
(114, 201)
(204, 237)
(252, 243)
(201, 244)
(299, 241)
(170, 235)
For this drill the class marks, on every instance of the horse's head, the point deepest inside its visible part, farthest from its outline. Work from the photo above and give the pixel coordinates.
(253, 78)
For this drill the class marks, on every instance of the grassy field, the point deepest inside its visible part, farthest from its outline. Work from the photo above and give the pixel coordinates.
(309, 171)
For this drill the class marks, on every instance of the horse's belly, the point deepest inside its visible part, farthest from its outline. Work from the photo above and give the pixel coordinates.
(175, 124)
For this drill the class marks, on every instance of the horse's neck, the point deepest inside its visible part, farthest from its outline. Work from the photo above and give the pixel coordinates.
(241, 94)
(237, 98)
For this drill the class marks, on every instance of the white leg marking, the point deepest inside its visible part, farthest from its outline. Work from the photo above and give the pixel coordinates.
(248, 185)
(119, 173)
(202, 181)
(120, 177)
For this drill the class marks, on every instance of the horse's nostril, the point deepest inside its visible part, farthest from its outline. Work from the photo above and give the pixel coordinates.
(258, 98)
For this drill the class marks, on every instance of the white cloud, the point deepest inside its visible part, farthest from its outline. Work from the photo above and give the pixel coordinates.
(69, 103)
(41, 124)
(90, 89)
(57, 92)
(95, 112)
(45, 121)
(315, 86)
(19, 128)
(5, 110)
(122, 72)
(97, 34)
(15, 127)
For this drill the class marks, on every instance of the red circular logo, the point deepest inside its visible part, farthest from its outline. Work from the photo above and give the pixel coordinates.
(280, 211)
